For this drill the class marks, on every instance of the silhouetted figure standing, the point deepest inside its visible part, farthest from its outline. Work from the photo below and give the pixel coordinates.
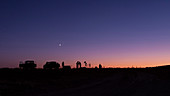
(89, 65)
(78, 64)
(100, 66)
(62, 64)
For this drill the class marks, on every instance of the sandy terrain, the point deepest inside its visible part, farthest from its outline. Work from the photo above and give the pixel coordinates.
(84, 83)
(120, 84)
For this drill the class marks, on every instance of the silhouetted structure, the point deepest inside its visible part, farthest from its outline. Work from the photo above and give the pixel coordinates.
(100, 66)
(51, 65)
(28, 65)
(66, 67)
(78, 64)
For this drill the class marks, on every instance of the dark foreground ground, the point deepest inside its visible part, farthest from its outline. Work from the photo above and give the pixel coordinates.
(85, 82)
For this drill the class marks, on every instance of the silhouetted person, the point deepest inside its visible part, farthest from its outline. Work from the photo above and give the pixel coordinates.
(66, 67)
(100, 66)
(27, 65)
(78, 64)
(62, 64)
(85, 63)
(89, 65)
(51, 65)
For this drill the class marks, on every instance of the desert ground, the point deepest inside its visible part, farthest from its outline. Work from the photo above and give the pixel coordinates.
(85, 82)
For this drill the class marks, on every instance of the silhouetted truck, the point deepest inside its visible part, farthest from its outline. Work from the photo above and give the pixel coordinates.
(28, 65)
(51, 65)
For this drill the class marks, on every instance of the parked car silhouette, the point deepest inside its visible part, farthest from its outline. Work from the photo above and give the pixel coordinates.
(28, 65)
(51, 65)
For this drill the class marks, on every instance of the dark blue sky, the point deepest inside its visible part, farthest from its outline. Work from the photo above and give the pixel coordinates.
(111, 32)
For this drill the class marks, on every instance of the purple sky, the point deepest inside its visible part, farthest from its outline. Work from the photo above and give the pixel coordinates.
(111, 32)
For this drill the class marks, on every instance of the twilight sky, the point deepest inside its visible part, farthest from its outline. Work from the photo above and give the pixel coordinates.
(117, 33)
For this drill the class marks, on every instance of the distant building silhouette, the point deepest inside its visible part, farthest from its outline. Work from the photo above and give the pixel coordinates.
(100, 66)
(78, 64)
(51, 65)
(66, 67)
(28, 65)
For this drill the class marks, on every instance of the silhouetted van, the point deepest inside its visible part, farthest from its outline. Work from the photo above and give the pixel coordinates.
(51, 65)
(28, 65)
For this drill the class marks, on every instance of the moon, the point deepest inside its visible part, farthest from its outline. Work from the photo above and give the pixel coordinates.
(60, 45)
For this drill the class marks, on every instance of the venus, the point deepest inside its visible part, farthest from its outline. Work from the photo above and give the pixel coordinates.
(59, 45)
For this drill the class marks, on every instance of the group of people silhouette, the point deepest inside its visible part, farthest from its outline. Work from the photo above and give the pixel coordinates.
(30, 64)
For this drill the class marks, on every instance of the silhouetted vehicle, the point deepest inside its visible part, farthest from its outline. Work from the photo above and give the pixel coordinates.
(66, 67)
(28, 65)
(78, 64)
(51, 65)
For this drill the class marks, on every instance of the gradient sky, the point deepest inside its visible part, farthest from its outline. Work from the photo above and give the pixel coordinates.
(115, 33)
